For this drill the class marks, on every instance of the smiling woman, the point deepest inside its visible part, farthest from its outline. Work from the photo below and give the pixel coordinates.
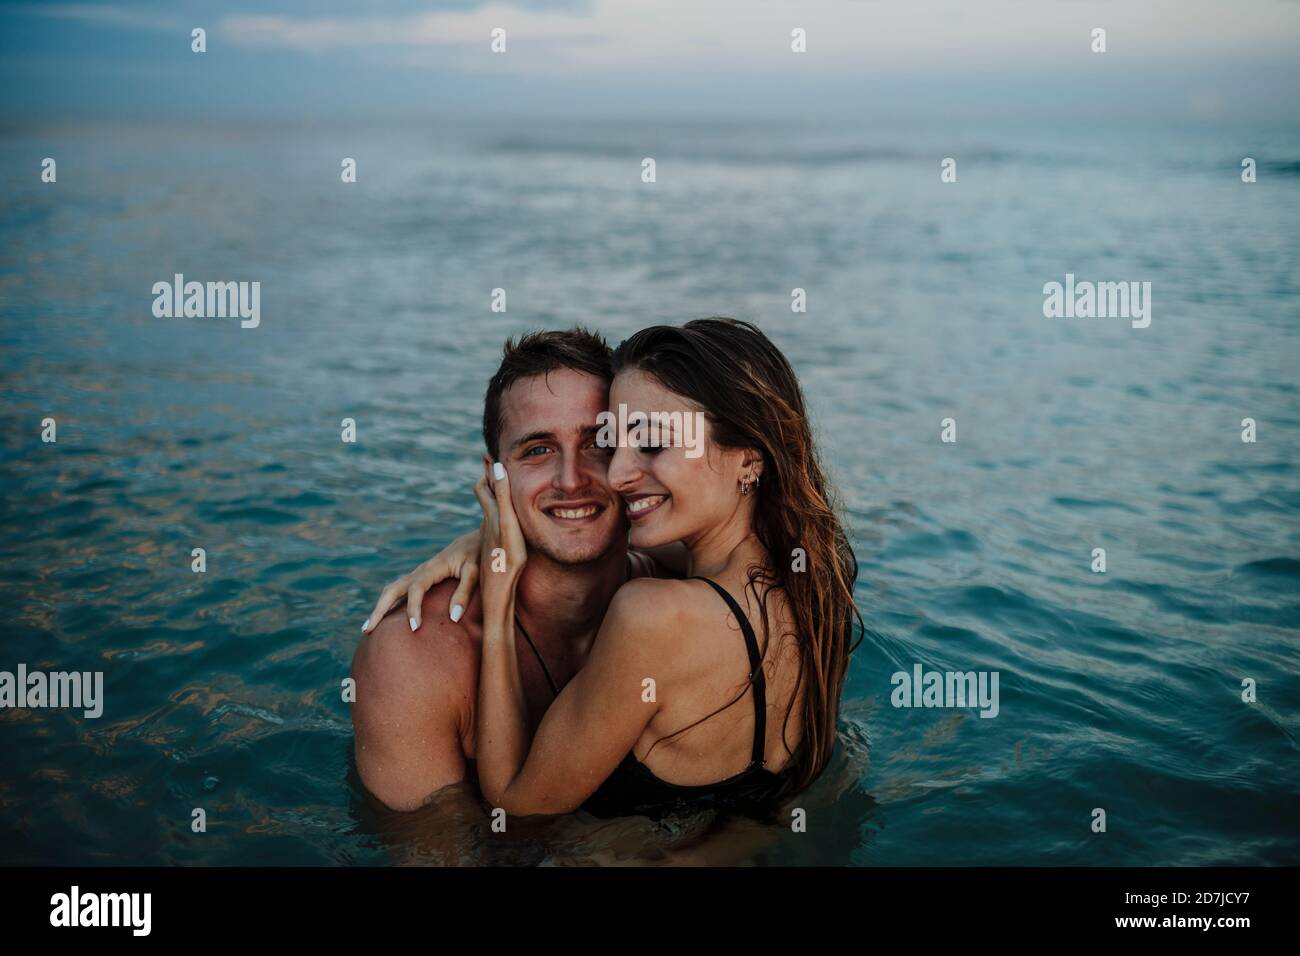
(759, 439)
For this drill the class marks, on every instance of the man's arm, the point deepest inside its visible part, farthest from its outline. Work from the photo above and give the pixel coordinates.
(413, 704)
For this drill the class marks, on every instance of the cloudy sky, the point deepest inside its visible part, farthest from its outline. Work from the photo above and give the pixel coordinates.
(1205, 60)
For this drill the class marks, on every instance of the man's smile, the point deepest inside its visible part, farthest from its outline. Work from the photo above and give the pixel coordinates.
(574, 512)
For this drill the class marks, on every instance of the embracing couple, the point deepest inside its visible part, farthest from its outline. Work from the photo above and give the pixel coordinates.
(634, 628)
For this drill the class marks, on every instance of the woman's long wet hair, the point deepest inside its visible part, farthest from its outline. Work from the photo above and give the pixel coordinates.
(752, 399)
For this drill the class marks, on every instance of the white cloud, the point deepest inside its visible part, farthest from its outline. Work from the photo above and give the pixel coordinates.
(744, 34)
(657, 36)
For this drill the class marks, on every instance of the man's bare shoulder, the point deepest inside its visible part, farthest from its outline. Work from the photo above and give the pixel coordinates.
(442, 655)
(414, 702)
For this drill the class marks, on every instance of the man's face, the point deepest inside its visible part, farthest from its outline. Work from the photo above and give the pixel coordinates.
(558, 482)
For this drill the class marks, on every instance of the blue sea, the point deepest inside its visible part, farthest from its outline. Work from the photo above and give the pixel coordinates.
(1120, 691)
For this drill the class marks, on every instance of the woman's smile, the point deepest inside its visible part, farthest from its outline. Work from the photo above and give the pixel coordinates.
(638, 506)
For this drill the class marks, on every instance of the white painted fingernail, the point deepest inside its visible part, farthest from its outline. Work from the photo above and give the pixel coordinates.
(366, 626)
(415, 625)
(456, 612)
(498, 470)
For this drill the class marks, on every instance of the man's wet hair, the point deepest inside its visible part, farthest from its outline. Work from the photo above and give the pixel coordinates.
(540, 353)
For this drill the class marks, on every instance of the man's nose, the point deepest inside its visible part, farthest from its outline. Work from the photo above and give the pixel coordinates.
(570, 477)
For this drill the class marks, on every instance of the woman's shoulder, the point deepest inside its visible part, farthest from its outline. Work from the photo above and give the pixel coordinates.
(651, 598)
(685, 595)
(671, 610)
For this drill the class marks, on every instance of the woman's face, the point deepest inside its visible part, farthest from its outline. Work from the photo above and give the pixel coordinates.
(676, 483)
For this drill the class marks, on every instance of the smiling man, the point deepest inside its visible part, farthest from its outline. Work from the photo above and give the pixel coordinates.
(414, 715)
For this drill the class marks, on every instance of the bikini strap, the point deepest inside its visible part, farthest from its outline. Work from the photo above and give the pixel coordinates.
(538, 654)
(755, 672)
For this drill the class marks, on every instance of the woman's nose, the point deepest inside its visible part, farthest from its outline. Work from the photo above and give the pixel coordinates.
(623, 468)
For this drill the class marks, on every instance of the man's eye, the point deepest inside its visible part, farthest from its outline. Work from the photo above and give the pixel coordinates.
(535, 448)
(602, 449)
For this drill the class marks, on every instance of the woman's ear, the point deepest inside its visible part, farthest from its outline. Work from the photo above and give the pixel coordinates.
(752, 463)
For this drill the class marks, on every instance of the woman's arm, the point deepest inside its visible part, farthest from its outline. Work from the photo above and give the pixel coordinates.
(458, 560)
(598, 716)
(586, 732)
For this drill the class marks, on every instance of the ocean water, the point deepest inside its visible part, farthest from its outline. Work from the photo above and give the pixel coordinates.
(1120, 691)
